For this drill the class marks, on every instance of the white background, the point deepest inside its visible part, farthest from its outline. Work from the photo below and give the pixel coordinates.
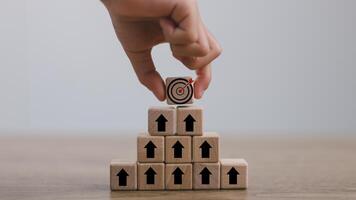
(288, 66)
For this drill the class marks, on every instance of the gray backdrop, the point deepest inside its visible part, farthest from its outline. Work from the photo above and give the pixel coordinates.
(288, 66)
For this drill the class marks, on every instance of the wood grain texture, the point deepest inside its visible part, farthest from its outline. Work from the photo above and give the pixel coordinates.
(66, 166)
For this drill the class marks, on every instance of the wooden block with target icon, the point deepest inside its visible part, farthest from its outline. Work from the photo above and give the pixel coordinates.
(179, 90)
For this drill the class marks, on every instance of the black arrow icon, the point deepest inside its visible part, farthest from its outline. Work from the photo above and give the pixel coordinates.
(205, 176)
(189, 123)
(122, 177)
(161, 123)
(178, 148)
(233, 173)
(150, 149)
(150, 176)
(177, 173)
(205, 150)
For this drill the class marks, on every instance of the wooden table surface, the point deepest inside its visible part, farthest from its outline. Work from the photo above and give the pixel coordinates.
(77, 167)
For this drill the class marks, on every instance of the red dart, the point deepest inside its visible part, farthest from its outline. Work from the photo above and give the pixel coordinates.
(190, 81)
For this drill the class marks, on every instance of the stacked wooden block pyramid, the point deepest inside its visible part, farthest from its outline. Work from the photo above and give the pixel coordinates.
(176, 154)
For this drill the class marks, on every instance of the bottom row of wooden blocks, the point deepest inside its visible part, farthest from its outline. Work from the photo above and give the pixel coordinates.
(226, 174)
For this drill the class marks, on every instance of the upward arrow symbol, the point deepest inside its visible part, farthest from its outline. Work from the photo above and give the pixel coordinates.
(189, 123)
(122, 177)
(161, 123)
(205, 150)
(233, 173)
(178, 148)
(205, 176)
(177, 173)
(150, 176)
(150, 149)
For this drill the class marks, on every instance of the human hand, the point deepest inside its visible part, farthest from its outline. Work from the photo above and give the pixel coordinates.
(142, 24)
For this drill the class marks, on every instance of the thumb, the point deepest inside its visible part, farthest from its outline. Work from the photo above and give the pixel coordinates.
(146, 72)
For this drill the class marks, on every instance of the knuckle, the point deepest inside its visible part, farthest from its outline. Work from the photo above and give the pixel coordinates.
(188, 12)
(188, 4)
(192, 63)
(219, 50)
(204, 50)
(191, 36)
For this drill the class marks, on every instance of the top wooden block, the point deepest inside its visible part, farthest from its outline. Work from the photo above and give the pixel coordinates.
(179, 90)
(162, 120)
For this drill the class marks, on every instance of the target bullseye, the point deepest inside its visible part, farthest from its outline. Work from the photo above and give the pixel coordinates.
(179, 90)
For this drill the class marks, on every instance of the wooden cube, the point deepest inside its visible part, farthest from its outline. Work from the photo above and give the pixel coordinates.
(178, 149)
(206, 176)
(162, 120)
(150, 148)
(206, 148)
(179, 90)
(189, 120)
(123, 175)
(234, 174)
(179, 176)
(151, 176)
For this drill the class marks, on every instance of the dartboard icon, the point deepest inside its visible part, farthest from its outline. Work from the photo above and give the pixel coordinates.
(179, 90)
